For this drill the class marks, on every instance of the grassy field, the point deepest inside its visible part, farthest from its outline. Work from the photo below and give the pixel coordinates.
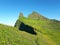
(12, 36)
(48, 33)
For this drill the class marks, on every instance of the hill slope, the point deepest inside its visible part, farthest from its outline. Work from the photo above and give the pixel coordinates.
(31, 31)
(47, 30)
(12, 36)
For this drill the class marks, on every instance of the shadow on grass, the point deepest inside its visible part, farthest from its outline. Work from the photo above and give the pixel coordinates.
(27, 28)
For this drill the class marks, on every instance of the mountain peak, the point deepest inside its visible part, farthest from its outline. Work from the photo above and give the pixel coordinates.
(21, 15)
(35, 15)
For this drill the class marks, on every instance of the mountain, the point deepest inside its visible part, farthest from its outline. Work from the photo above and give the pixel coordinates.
(46, 30)
(32, 30)
(37, 16)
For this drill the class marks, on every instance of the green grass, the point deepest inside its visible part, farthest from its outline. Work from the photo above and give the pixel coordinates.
(48, 33)
(12, 36)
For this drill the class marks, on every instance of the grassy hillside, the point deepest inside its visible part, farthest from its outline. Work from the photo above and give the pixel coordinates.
(12, 36)
(47, 30)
